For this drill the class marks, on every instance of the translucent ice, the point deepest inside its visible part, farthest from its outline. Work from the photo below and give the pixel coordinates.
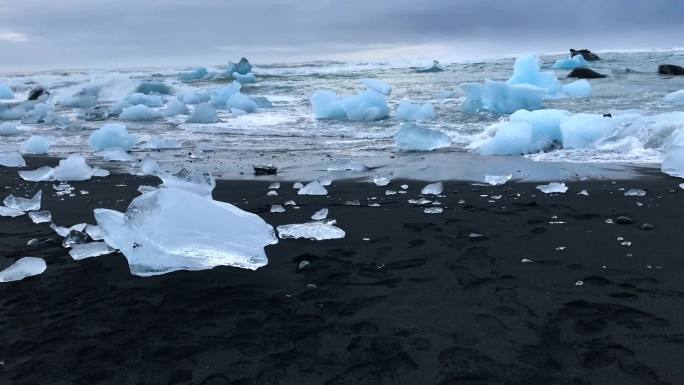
(24, 204)
(511, 138)
(24, 267)
(326, 105)
(244, 79)
(146, 100)
(175, 107)
(366, 106)
(577, 89)
(111, 135)
(10, 212)
(73, 168)
(194, 97)
(196, 74)
(553, 187)
(89, 250)
(198, 183)
(37, 144)
(219, 98)
(527, 71)
(635, 192)
(40, 216)
(673, 162)
(433, 189)
(277, 209)
(313, 188)
(676, 98)
(171, 229)
(242, 67)
(138, 112)
(203, 114)
(42, 174)
(496, 180)
(381, 180)
(377, 86)
(502, 98)
(317, 231)
(320, 215)
(576, 61)
(411, 137)
(12, 159)
(581, 130)
(415, 112)
(6, 92)
(8, 129)
(242, 102)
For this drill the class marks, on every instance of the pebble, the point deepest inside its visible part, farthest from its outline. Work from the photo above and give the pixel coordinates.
(304, 265)
(623, 220)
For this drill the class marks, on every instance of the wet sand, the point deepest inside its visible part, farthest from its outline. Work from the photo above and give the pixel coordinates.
(424, 300)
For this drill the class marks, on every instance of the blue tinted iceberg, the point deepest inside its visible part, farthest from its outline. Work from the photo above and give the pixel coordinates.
(37, 144)
(139, 112)
(527, 70)
(204, 114)
(243, 67)
(366, 106)
(415, 112)
(676, 98)
(673, 162)
(219, 98)
(501, 98)
(511, 138)
(196, 74)
(147, 100)
(6, 92)
(242, 102)
(154, 87)
(111, 135)
(326, 105)
(193, 97)
(411, 137)
(577, 89)
(576, 61)
(581, 130)
(377, 86)
(175, 107)
(545, 125)
(244, 79)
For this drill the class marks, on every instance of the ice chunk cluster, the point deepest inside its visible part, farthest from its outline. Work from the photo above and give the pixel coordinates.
(170, 229)
(576, 61)
(366, 106)
(23, 268)
(411, 137)
(415, 112)
(111, 135)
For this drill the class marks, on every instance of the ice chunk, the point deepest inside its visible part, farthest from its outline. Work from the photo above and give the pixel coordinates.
(8, 129)
(676, 98)
(94, 232)
(146, 100)
(171, 229)
(317, 231)
(89, 250)
(496, 180)
(501, 98)
(433, 188)
(161, 143)
(526, 70)
(203, 114)
(79, 101)
(325, 180)
(37, 144)
(581, 130)
(194, 97)
(149, 166)
(545, 125)
(198, 183)
(23, 268)
(219, 98)
(411, 137)
(154, 87)
(196, 74)
(42, 174)
(553, 187)
(6, 92)
(65, 231)
(261, 102)
(365, 106)
(511, 138)
(313, 188)
(111, 135)
(577, 89)
(243, 67)
(381, 180)
(576, 61)
(24, 204)
(327, 106)
(244, 79)
(433, 210)
(415, 112)
(377, 86)
(138, 112)
(40, 216)
(277, 209)
(673, 161)
(37, 114)
(320, 215)
(175, 107)
(242, 102)
(73, 168)
(12, 159)
(10, 212)
(118, 107)
(635, 192)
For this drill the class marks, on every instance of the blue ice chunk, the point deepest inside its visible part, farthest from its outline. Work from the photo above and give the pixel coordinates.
(527, 71)
(577, 89)
(244, 79)
(139, 112)
(411, 137)
(416, 112)
(154, 87)
(8, 129)
(219, 98)
(511, 138)
(111, 135)
(147, 100)
(175, 107)
(377, 86)
(500, 97)
(242, 102)
(581, 130)
(203, 113)
(193, 75)
(577, 61)
(327, 106)
(79, 101)
(243, 67)
(38, 114)
(545, 126)
(194, 97)
(366, 106)
(6, 92)
(37, 144)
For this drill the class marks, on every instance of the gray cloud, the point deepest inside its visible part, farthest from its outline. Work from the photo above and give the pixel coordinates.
(107, 33)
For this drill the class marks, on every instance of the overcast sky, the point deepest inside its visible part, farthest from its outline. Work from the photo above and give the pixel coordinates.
(52, 34)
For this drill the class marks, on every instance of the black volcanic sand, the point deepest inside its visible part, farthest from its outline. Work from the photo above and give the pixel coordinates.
(421, 302)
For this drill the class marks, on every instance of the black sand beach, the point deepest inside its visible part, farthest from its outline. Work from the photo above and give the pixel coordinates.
(425, 300)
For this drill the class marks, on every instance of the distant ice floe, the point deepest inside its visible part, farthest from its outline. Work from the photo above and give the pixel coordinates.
(366, 106)
(23, 268)
(317, 231)
(411, 137)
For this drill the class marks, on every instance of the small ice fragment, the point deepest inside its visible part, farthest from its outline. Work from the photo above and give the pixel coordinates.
(40, 216)
(272, 193)
(24, 267)
(325, 180)
(475, 235)
(553, 187)
(433, 210)
(525, 260)
(73, 168)
(89, 250)
(496, 180)
(297, 185)
(75, 237)
(411, 137)
(274, 186)
(635, 192)
(317, 231)
(290, 203)
(313, 188)
(583, 192)
(64, 231)
(42, 174)
(610, 221)
(421, 201)
(37, 144)
(579, 283)
(390, 192)
(111, 135)
(12, 159)
(149, 166)
(24, 204)
(354, 202)
(320, 215)
(404, 186)
(10, 212)
(381, 180)
(277, 209)
(433, 188)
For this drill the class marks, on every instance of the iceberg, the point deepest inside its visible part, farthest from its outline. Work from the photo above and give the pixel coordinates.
(73, 168)
(673, 161)
(366, 106)
(242, 67)
(495, 180)
(432, 189)
(138, 112)
(577, 89)
(581, 130)
(501, 98)
(244, 79)
(411, 137)
(219, 98)
(553, 187)
(8, 129)
(193, 97)
(23, 268)
(545, 125)
(242, 102)
(313, 188)
(171, 229)
(377, 86)
(146, 100)
(12, 159)
(576, 61)
(40, 175)
(89, 250)
(203, 114)
(527, 71)
(320, 215)
(111, 135)
(511, 138)
(40, 216)
(316, 231)
(415, 112)
(6, 92)
(327, 106)
(175, 107)
(38, 114)
(154, 87)
(193, 75)
(37, 144)
(24, 204)
(676, 98)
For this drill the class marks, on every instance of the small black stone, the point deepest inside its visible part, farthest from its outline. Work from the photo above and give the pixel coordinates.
(623, 220)
(646, 226)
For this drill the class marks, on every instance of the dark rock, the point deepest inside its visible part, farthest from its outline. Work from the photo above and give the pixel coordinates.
(607, 115)
(37, 92)
(585, 73)
(646, 226)
(304, 265)
(265, 169)
(670, 69)
(586, 54)
(624, 220)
